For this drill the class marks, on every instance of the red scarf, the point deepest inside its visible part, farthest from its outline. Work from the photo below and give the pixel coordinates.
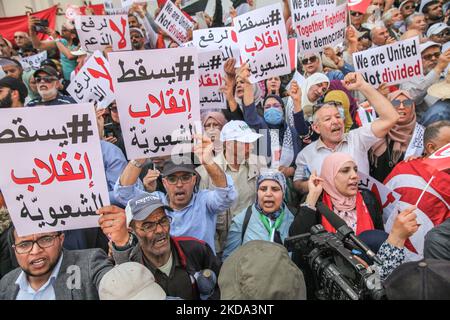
(364, 221)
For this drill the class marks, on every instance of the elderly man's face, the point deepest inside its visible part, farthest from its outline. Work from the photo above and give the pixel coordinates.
(379, 36)
(430, 58)
(439, 141)
(154, 233)
(47, 86)
(179, 187)
(419, 24)
(396, 16)
(21, 39)
(38, 259)
(356, 18)
(329, 124)
(137, 40)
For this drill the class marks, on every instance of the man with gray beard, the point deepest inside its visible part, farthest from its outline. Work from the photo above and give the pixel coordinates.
(47, 86)
(434, 63)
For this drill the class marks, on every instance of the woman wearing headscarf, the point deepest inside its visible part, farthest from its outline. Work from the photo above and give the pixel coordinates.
(213, 123)
(267, 219)
(282, 140)
(312, 91)
(403, 140)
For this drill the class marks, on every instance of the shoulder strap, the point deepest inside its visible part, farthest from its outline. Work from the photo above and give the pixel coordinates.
(248, 214)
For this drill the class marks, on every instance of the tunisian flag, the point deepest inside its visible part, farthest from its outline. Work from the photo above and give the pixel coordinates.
(358, 5)
(409, 180)
(9, 25)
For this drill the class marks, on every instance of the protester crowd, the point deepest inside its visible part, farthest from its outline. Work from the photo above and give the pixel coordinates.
(214, 228)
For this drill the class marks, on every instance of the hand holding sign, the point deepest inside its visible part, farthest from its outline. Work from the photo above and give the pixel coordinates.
(229, 67)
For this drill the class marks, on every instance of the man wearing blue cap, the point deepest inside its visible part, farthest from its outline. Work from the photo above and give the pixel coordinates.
(174, 261)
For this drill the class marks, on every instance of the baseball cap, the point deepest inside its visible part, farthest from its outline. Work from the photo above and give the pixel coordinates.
(130, 281)
(405, 2)
(237, 130)
(428, 44)
(138, 31)
(139, 208)
(428, 279)
(15, 84)
(436, 29)
(244, 275)
(48, 70)
(171, 167)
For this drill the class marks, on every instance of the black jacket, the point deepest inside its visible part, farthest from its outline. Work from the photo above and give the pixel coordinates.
(189, 256)
(306, 218)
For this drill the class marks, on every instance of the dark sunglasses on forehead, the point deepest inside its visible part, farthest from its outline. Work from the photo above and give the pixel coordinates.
(45, 79)
(309, 60)
(406, 103)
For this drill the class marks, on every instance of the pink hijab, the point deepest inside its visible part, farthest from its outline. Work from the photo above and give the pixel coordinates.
(330, 168)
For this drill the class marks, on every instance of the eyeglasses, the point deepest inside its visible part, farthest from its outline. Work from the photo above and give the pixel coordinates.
(431, 55)
(45, 79)
(443, 34)
(164, 222)
(186, 178)
(27, 246)
(406, 103)
(19, 37)
(309, 60)
(356, 13)
(317, 106)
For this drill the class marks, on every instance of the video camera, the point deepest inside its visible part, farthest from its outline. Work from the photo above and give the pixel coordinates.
(338, 275)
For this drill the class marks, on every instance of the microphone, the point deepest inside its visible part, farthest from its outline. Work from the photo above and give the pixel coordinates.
(344, 231)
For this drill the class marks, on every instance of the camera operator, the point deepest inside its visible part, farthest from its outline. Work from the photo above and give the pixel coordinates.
(337, 188)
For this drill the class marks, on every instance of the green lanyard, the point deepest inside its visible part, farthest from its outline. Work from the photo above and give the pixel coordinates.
(275, 226)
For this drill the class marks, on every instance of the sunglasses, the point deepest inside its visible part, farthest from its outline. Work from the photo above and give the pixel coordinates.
(19, 37)
(356, 13)
(45, 79)
(431, 55)
(409, 7)
(443, 34)
(406, 103)
(309, 60)
(186, 178)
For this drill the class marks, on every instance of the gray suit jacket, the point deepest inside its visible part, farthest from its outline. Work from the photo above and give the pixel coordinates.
(92, 265)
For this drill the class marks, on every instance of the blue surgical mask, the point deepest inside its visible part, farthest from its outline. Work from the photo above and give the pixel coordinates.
(398, 24)
(273, 116)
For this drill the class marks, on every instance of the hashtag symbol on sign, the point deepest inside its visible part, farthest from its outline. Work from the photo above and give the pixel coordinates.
(214, 63)
(184, 68)
(275, 17)
(79, 129)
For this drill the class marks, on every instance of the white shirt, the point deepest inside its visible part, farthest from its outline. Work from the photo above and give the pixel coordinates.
(356, 143)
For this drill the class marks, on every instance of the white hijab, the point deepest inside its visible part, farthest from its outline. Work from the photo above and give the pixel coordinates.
(313, 79)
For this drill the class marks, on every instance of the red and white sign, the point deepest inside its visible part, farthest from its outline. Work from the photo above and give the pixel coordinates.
(98, 32)
(51, 168)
